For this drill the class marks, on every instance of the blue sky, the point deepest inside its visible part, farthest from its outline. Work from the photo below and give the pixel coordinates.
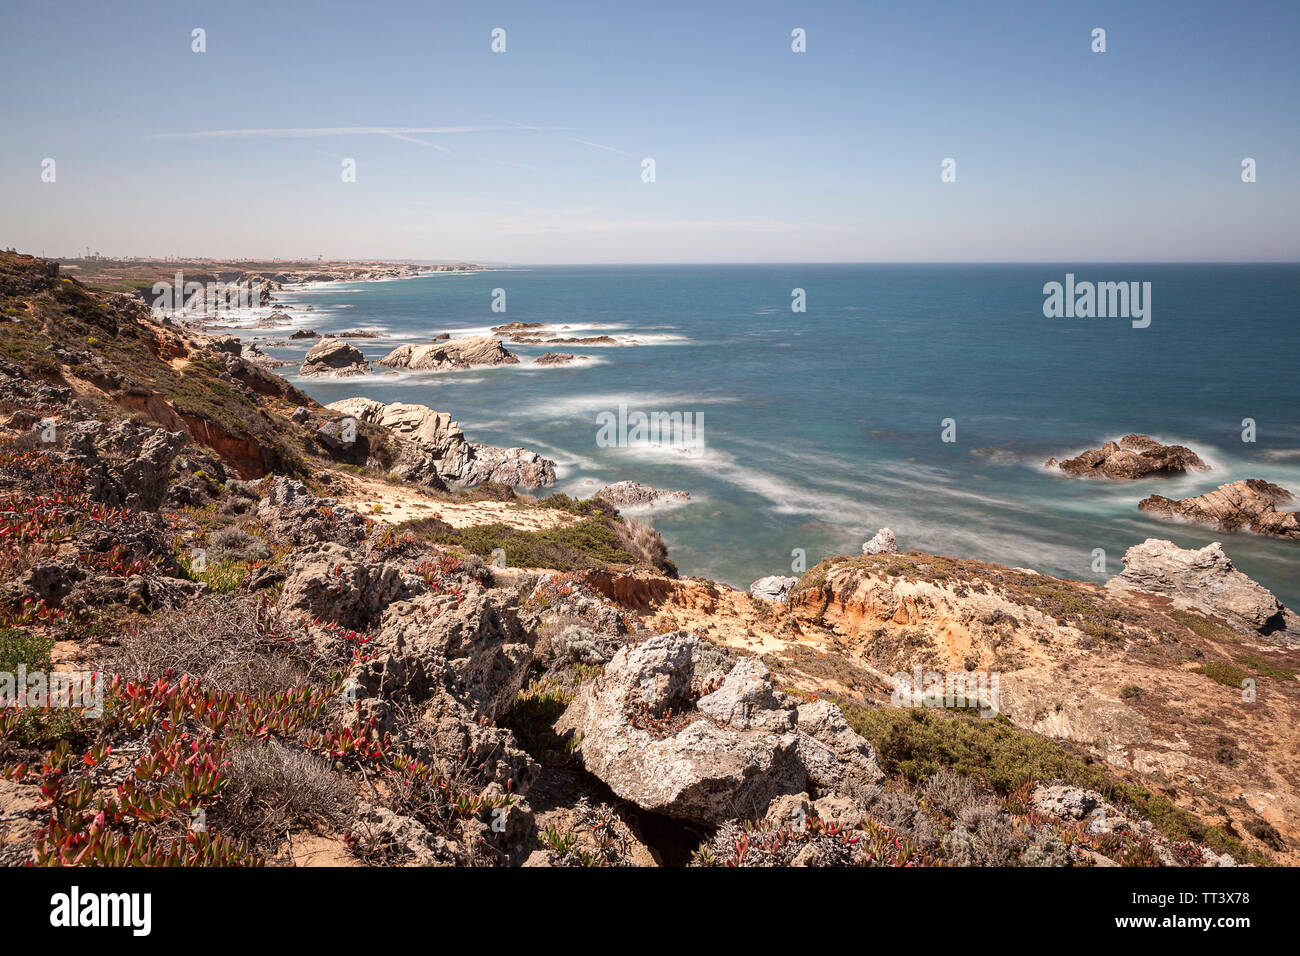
(762, 154)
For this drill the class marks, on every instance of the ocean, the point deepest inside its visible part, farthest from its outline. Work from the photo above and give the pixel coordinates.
(818, 427)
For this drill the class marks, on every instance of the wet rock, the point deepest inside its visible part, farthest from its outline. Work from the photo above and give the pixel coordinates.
(1133, 456)
(559, 358)
(633, 494)
(1249, 505)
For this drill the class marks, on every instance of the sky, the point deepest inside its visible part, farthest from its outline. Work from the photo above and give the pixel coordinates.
(761, 154)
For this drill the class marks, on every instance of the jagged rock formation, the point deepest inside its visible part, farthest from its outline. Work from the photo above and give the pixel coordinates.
(453, 354)
(254, 355)
(335, 359)
(434, 450)
(1133, 456)
(1207, 580)
(883, 542)
(1251, 504)
(1119, 672)
(633, 494)
(127, 465)
(293, 515)
(727, 754)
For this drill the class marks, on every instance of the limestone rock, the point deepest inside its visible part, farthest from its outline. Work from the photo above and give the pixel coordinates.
(730, 755)
(1206, 580)
(434, 450)
(290, 513)
(1251, 505)
(773, 588)
(838, 759)
(559, 358)
(453, 354)
(127, 465)
(335, 585)
(633, 494)
(883, 542)
(333, 358)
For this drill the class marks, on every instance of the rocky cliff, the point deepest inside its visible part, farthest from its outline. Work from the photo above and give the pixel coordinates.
(313, 638)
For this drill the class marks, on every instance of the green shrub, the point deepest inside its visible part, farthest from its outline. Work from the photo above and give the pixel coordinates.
(917, 742)
(1225, 674)
(19, 648)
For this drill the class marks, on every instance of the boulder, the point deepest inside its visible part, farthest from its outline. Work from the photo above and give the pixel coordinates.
(255, 356)
(334, 584)
(333, 358)
(1133, 456)
(343, 437)
(127, 465)
(729, 755)
(474, 648)
(1206, 581)
(883, 542)
(773, 588)
(1250, 505)
(291, 514)
(838, 759)
(453, 354)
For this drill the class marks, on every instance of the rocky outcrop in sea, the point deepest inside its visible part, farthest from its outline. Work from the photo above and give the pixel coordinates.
(1133, 456)
(450, 355)
(333, 358)
(434, 449)
(1248, 505)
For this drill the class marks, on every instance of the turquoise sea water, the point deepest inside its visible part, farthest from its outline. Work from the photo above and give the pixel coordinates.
(820, 427)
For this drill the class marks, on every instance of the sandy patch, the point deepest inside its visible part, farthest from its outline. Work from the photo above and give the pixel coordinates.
(395, 504)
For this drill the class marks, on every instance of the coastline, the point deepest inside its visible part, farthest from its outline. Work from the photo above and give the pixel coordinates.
(390, 547)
